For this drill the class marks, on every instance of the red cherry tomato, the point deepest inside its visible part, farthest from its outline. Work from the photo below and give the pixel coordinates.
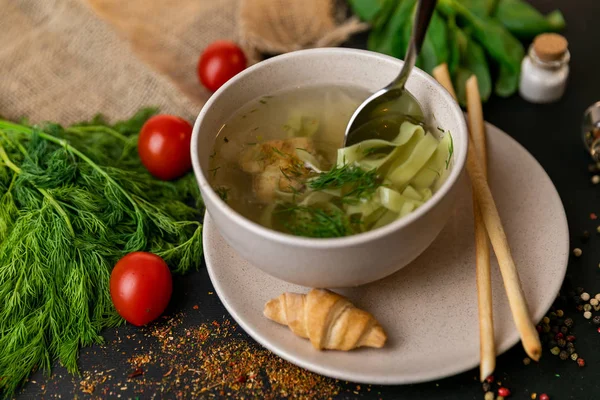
(164, 146)
(220, 62)
(140, 287)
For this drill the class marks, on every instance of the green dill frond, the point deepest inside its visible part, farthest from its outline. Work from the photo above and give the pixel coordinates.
(355, 182)
(315, 222)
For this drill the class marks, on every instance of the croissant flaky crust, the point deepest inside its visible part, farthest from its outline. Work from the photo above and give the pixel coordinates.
(329, 320)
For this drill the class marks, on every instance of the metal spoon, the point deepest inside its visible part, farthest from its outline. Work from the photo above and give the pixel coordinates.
(382, 111)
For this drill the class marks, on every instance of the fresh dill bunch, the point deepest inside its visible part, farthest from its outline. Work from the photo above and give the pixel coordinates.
(355, 182)
(73, 200)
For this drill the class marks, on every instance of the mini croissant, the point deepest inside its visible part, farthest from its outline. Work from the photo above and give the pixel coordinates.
(329, 320)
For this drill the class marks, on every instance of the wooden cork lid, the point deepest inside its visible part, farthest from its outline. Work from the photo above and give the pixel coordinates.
(550, 46)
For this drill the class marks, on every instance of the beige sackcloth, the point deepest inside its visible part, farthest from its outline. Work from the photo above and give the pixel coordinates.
(67, 60)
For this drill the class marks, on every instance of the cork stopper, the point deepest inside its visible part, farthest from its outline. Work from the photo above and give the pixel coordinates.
(550, 46)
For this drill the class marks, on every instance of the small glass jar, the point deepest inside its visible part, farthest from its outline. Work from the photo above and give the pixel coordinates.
(591, 130)
(545, 69)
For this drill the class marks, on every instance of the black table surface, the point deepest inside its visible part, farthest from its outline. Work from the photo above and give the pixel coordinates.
(552, 134)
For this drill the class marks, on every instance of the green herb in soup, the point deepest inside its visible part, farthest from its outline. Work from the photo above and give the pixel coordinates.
(283, 165)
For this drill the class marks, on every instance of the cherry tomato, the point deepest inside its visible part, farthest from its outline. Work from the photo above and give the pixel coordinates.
(140, 287)
(220, 62)
(164, 146)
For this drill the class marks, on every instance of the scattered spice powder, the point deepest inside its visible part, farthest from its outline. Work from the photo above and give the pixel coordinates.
(212, 359)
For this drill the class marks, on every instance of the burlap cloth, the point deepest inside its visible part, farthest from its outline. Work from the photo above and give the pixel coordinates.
(67, 60)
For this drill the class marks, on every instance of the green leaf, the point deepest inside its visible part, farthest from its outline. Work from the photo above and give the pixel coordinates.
(367, 9)
(435, 50)
(472, 62)
(388, 35)
(524, 21)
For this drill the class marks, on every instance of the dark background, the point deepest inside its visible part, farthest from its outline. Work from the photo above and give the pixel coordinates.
(552, 134)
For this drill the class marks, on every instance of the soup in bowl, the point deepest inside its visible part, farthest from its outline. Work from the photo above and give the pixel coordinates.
(283, 192)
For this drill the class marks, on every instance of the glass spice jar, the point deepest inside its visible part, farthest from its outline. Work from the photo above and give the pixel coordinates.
(545, 69)
(591, 130)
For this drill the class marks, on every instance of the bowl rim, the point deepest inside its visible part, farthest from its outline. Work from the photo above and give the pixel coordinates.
(340, 242)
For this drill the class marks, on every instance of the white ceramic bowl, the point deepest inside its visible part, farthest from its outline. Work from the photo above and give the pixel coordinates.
(338, 262)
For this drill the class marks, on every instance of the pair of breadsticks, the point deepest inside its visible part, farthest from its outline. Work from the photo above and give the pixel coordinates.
(488, 223)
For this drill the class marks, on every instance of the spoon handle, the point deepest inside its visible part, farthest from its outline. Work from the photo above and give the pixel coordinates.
(419, 30)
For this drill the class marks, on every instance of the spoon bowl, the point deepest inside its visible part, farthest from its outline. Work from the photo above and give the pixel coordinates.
(392, 99)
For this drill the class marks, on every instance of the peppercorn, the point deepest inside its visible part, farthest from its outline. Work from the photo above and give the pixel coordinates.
(587, 315)
(486, 386)
(489, 396)
(546, 320)
(568, 322)
(555, 329)
(585, 236)
(561, 343)
(587, 307)
(546, 328)
(560, 313)
(597, 296)
(581, 362)
(563, 355)
(559, 335)
(527, 361)
(570, 350)
(596, 320)
(564, 330)
(571, 338)
(594, 301)
(504, 392)
(570, 345)
(579, 290)
(555, 351)
(574, 356)
(580, 308)
(598, 330)
(585, 296)
(544, 396)
(500, 398)
(552, 344)
(577, 252)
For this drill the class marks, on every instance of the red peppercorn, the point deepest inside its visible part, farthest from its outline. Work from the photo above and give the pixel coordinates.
(571, 338)
(504, 392)
(598, 330)
(544, 396)
(490, 379)
(539, 328)
(581, 362)
(559, 335)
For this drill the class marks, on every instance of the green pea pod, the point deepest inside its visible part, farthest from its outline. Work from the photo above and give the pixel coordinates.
(472, 62)
(367, 9)
(502, 47)
(524, 21)
(435, 50)
(390, 39)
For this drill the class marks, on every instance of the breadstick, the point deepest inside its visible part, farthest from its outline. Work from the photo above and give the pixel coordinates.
(482, 249)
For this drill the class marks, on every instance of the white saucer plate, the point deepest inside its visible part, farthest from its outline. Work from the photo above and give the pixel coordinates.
(429, 308)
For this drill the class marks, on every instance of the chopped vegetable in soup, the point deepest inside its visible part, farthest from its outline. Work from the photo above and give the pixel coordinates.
(279, 162)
